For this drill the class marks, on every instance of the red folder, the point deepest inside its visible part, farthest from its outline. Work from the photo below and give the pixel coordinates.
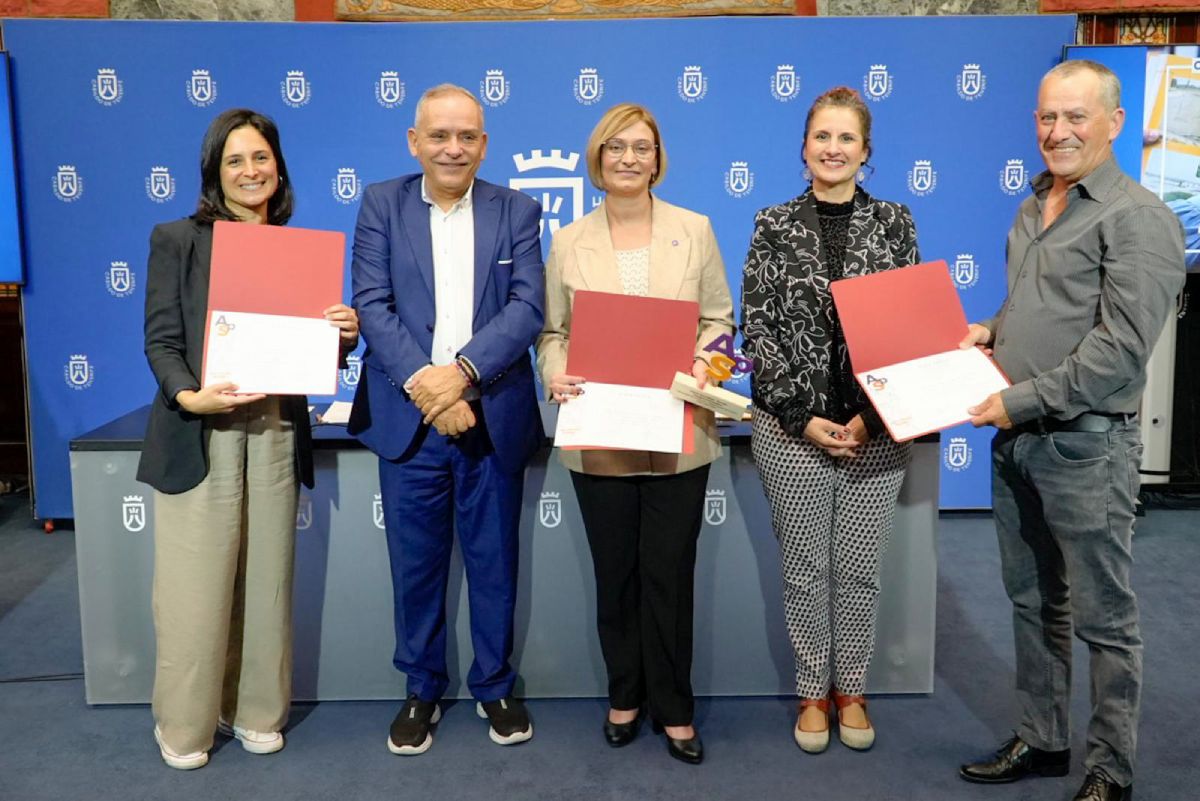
(633, 340)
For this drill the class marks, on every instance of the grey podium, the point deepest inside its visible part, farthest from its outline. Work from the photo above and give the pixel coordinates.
(343, 597)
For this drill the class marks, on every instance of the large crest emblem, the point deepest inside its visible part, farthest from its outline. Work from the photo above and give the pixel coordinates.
(160, 186)
(692, 85)
(958, 454)
(785, 86)
(133, 513)
(966, 273)
(550, 509)
(304, 513)
(714, 507)
(878, 83)
(346, 186)
(1012, 177)
(589, 86)
(296, 89)
(349, 376)
(201, 88)
(377, 511)
(107, 89)
(971, 82)
(389, 89)
(922, 178)
(118, 279)
(494, 88)
(558, 194)
(79, 373)
(739, 180)
(68, 186)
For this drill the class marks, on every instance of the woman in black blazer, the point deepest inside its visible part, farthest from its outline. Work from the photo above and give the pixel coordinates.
(831, 471)
(226, 468)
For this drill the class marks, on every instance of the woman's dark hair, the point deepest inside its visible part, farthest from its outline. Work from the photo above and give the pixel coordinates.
(211, 206)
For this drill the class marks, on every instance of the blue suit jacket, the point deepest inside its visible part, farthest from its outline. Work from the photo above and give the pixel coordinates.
(392, 274)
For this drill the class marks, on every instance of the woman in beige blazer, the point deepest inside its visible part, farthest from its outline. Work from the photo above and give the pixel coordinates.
(642, 511)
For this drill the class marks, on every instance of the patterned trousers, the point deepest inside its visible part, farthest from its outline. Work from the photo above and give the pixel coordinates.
(832, 517)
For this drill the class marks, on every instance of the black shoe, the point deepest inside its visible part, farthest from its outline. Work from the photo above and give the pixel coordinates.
(690, 750)
(621, 734)
(510, 721)
(1016, 759)
(1098, 787)
(410, 733)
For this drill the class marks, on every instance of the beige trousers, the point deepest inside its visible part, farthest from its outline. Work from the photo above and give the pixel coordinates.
(223, 566)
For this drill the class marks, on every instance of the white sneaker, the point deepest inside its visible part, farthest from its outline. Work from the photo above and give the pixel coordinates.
(191, 761)
(256, 742)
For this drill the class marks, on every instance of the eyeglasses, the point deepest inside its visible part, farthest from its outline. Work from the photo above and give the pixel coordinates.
(642, 148)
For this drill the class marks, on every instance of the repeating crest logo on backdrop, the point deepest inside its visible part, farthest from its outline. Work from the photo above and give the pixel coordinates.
(377, 511)
(971, 82)
(714, 507)
(119, 280)
(877, 84)
(1012, 177)
(201, 89)
(296, 90)
(922, 178)
(107, 88)
(389, 89)
(304, 513)
(957, 456)
(785, 84)
(494, 88)
(692, 85)
(739, 180)
(68, 184)
(78, 373)
(965, 272)
(347, 188)
(133, 513)
(553, 190)
(348, 377)
(160, 186)
(550, 509)
(589, 86)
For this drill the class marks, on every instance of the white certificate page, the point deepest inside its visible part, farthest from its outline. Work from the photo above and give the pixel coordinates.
(931, 393)
(272, 353)
(620, 416)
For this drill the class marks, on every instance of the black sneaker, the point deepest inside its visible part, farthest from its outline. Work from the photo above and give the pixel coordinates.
(410, 734)
(510, 721)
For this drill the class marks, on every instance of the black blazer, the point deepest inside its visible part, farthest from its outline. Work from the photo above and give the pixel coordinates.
(175, 448)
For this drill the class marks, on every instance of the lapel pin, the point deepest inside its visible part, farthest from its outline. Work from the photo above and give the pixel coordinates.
(674, 243)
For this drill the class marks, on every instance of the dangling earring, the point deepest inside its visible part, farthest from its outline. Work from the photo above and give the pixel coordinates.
(861, 176)
(807, 174)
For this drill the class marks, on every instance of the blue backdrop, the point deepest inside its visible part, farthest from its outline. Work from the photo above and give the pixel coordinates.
(109, 118)
(10, 240)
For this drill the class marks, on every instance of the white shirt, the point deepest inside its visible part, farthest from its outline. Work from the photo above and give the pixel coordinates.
(453, 234)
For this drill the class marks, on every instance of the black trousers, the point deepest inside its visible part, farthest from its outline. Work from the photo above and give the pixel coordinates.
(642, 531)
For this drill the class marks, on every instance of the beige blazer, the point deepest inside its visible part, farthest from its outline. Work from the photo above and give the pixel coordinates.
(685, 264)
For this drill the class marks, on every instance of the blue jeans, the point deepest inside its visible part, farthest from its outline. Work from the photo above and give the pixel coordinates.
(1064, 508)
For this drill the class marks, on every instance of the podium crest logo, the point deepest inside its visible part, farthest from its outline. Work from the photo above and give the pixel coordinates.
(304, 513)
(692, 85)
(377, 511)
(1012, 177)
(107, 88)
(296, 90)
(133, 513)
(958, 455)
(589, 86)
(785, 85)
(79, 374)
(553, 191)
(160, 186)
(347, 188)
(494, 88)
(922, 178)
(965, 272)
(739, 180)
(877, 85)
(201, 89)
(971, 82)
(119, 280)
(68, 185)
(348, 377)
(389, 89)
(714, 507)
(550, 509)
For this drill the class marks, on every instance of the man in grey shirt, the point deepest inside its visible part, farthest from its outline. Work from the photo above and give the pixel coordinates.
(1094, 264)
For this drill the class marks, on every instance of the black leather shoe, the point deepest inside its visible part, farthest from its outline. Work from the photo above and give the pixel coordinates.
(1016, 759)
(690, 750)
(1098, 787)
(621, 734)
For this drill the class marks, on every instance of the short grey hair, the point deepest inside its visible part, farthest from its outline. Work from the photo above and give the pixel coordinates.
(441, 90)
(1110, 84)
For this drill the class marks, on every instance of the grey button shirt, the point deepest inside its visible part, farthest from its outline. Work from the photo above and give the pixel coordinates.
(1087, 297)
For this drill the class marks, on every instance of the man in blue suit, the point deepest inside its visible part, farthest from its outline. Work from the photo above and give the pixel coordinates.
(449, 288)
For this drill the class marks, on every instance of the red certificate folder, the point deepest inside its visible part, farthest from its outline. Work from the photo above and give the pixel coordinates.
(271, 269)
(633, 340)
